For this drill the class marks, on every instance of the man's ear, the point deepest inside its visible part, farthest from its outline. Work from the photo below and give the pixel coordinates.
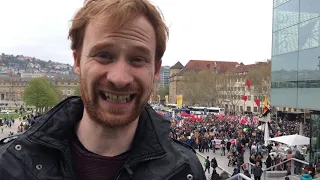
(76, 62)
(157, 70)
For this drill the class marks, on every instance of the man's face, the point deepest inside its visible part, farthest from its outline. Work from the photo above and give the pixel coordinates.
(117, 71)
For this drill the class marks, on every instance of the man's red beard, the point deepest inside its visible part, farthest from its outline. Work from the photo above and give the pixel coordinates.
(111, 118)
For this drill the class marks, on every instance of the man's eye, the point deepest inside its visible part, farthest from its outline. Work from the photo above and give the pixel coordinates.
(104, 56)
(137, 60)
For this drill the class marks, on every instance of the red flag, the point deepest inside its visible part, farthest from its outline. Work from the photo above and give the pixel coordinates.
(245, 98)
(248, 83)
(243, 121)
(257, 101)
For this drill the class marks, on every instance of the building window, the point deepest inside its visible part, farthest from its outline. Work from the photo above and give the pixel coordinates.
(69, 92)
(255, 109)
(248, 109)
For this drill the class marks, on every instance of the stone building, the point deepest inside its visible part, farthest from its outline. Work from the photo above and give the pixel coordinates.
(12, 87)
(231, 93)
(174, 81)
(177, 71)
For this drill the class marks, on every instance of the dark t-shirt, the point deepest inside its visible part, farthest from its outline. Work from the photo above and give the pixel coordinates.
(91, 166)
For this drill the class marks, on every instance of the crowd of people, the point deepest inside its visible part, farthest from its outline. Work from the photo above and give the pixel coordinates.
(25, 120)
(234, 137)
(228, 135)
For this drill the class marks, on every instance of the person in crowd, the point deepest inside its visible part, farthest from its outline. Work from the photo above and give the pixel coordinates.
(207, 165)
(214, 163)
(235, 172)
(298, 165)
(110, 132)
(311, 169)
(213, 145)
(288, 164)
(224, 175)
(215, 175)
(268, 162)
(252, 160)
(223, 149)
(305, 175)
(257, 171)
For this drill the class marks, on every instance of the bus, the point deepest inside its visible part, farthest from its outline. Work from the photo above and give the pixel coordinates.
(206, 110)
(215, 110)
(171, 106)
(197, 110)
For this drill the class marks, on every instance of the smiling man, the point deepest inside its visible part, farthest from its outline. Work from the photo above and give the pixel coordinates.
(110, 132)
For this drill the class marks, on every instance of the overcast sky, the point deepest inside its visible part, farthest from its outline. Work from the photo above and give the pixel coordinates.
(221, 30)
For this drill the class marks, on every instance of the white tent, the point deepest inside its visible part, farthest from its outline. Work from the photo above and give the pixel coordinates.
(292, 140)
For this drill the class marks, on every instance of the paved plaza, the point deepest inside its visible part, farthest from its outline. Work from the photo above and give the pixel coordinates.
(223, 163)
(221, 160)
(7, 130)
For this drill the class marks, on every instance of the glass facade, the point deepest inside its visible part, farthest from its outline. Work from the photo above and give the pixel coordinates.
(295, 74)
(315, 138)
(164, 75)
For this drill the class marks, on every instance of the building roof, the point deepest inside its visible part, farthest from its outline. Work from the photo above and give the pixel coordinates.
(219, 66)
(246, 68)
(178, 65)
(180, 73)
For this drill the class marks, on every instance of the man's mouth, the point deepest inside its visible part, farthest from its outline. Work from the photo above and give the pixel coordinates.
(114, 98)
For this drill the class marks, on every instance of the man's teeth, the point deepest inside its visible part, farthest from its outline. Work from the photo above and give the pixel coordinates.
(118, 99)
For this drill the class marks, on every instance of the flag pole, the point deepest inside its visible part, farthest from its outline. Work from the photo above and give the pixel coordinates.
(266, 130)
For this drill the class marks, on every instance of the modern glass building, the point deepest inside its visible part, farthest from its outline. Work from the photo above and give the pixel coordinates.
(296, 54)
(295, 74)
(164, 75)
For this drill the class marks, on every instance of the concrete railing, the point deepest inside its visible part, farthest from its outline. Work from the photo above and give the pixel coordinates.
(250, 165)
(239, 176)
(264, 174)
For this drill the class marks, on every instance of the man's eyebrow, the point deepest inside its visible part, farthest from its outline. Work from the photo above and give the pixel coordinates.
(109, 44)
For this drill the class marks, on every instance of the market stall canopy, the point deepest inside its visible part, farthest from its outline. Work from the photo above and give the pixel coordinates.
(292, 140)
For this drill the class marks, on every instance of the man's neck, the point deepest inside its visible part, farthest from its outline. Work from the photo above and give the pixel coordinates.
(105, 141)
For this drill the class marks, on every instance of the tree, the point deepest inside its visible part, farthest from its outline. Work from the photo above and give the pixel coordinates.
(200, 88)
(40, 94)
(259, 78)
(163, 91)
(77, 91)
(191, 88)
(210, 88)
(58, 92)
(227, 91)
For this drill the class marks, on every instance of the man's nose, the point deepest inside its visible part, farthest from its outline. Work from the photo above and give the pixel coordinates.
(119, 75)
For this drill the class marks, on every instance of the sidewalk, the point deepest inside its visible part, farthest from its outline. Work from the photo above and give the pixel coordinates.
(223, 163)
(7, 130)
(221, 160)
